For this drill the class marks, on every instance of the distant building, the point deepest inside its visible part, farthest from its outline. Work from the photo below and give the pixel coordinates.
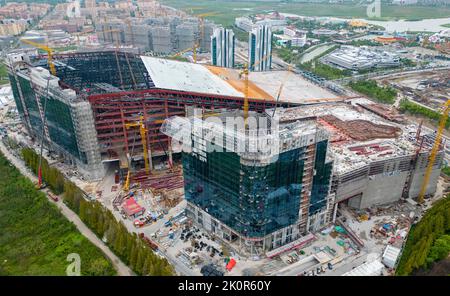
(247, 24)
(13, 28)
(260, 48)
(160, 35)
(324, 32)
(222, 48)
(357, 58)
(73, 9)
(297, 37)
(404, 2)
(244, 23)
(91, 6)
(90, 3)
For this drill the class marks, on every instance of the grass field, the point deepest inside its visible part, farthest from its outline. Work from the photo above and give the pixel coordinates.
(35, 238)
(3, 74)
(227, 11)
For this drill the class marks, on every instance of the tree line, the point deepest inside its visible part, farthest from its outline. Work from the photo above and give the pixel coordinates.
(35, 237)
(383, 94)
(428, 241)
(416, 109)
(127, 246)
(324, 70)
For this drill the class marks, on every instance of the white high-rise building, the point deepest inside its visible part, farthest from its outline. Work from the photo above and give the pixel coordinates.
(222, 48)
(90, 3)
(260, 48)
(73, 9)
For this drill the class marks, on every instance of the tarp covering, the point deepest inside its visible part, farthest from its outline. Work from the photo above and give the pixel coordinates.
(131, 207)
(231, 264)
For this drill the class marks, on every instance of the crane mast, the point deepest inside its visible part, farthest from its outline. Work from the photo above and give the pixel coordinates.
(434, 151)
(45, 48)
(143, 132)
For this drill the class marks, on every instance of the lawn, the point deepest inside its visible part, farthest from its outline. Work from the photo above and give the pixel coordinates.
(227, 11)
(3, 74)
(35, 238)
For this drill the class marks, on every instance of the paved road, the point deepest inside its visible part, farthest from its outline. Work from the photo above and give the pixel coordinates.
(121, 268)
(390, 73)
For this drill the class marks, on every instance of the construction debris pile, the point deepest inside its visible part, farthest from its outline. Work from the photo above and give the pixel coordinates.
(387, 113)
(391, 223)
(152, 197)
(363, 130)
(343, 240)
(396, 229)
(170, 180)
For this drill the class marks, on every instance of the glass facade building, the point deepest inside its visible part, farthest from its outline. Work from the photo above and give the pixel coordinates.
(58, 116)
(252, 200)
(256, 198)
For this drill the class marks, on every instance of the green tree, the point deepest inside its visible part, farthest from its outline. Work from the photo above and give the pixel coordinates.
(134, 255)
(140, 259)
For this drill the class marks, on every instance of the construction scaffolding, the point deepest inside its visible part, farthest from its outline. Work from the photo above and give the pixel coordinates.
(94, 96)
(159, 35)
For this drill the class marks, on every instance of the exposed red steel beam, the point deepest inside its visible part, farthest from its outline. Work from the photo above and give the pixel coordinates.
(117, 126)
(112, 110)
(194, 95)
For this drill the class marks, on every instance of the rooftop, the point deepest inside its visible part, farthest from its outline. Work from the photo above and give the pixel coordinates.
(296, 89)
(357, 135)
(176, 75)
(373, 268)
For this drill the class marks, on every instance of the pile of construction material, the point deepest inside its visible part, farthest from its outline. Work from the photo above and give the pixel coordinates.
(395, 229)
(363, 130)
(170, 180)
(344, 240)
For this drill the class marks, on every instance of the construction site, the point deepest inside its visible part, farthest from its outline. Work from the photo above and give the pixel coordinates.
(161, 35)
(373, 154)
(429, 88)
(110, 121)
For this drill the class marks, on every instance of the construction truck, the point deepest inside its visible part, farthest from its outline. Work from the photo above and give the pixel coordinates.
(40, 186)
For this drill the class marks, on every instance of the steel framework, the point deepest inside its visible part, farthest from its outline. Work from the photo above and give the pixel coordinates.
(114, 110)
(131, 94)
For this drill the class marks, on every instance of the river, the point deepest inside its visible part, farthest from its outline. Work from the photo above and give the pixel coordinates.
(426, 25)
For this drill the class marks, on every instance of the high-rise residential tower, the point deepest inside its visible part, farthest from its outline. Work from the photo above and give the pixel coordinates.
(222, 48)
(260, 48)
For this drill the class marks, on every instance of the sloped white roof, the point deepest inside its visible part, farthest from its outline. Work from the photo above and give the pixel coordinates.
(176, 75)
(367, 269)
(390, 256)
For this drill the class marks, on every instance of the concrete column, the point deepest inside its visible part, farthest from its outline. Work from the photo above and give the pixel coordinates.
(150, 160)
(335, 212)
(169, 149)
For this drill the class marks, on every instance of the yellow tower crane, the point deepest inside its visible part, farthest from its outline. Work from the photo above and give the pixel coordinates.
(44, 48)
(130, 29)
(434, 151)
(194, 50)
(244, 73)
(143, 131)
(201, 17)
